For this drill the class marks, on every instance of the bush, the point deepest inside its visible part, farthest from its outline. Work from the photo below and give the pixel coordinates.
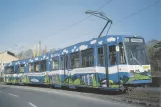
(111, 82)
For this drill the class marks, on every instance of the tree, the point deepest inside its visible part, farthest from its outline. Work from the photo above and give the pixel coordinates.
(25, 54)
(52, 50)
(154, 54)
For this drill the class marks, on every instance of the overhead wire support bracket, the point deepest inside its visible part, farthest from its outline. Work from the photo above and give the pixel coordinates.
(102, 16)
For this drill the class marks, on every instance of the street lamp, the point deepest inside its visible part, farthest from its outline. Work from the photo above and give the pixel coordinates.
(19, 46)
(102, 16)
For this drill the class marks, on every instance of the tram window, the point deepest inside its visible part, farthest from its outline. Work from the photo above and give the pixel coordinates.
(12, 70)
(87, 58)
(22, 68)
(74, 60)
(36, 66)
(122, 53)
(55, 62)
(9, 70)
(112, 56)
(17, 69)
(31, 67)
(43, 65)
(62, 63)
(100, 56)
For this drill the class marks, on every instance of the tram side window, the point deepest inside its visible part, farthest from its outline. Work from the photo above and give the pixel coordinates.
(17, 69)
(55, 62)
(12, 70)
(36, 66)
(87, 58)
(43, 65)
(122, 53)
(74, 60)
(31, 67)
(100, 56)
(9, 70)
(62, 63)
(22, 68)
(112, 56)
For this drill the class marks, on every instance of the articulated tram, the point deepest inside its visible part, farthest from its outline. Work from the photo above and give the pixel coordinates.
(110, 62)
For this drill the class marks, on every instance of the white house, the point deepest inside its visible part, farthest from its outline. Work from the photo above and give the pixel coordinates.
(6, 57)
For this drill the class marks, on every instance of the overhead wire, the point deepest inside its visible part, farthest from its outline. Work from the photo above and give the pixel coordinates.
(77, 37)
(125, 18)
(82, 20)
(70, 26)
(137, 12)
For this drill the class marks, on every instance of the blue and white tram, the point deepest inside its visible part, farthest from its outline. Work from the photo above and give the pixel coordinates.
(108, 62)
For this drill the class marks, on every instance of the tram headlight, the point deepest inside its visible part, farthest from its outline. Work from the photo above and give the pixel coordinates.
(132, 73)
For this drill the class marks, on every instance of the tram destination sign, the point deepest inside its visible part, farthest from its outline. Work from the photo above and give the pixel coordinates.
(138, 40)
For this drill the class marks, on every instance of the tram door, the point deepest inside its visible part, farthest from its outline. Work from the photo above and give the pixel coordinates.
(112, 57)
(103, 62)
(65, 70)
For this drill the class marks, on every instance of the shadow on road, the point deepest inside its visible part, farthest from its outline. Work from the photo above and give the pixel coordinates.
(93, 90)
(83, 90)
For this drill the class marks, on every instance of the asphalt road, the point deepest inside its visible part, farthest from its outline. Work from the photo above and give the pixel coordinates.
(21, 97)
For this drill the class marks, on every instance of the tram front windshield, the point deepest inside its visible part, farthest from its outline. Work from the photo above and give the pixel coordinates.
(135, 51)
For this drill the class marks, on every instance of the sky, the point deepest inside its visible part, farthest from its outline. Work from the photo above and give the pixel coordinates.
(25, 22)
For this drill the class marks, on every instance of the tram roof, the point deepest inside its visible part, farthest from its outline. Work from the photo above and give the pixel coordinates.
(107, 39)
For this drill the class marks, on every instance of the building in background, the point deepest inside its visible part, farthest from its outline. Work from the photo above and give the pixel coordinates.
(6, 57)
